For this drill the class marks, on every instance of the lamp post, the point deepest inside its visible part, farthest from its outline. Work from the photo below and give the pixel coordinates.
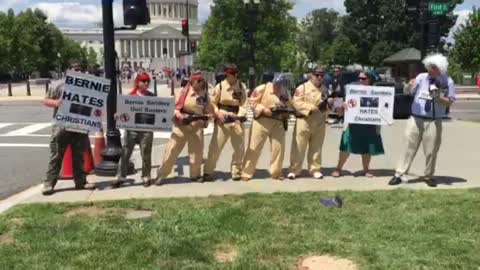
(113, 150)
(252, 11)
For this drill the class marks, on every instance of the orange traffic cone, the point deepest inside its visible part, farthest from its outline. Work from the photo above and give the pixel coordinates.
(67, 165)
(88, 165)
(98, 147)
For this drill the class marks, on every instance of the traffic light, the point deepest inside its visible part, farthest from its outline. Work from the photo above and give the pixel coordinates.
(185, 29)
(433, 33)
(193, 46)
(135, 12)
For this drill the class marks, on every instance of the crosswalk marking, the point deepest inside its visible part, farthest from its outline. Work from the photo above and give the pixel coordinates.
(28, 129)
(2, 125)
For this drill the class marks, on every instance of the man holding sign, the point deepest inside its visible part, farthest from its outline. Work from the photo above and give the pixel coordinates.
(62, 137)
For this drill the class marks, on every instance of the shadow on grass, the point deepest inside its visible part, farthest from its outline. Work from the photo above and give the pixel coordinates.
(441, 180)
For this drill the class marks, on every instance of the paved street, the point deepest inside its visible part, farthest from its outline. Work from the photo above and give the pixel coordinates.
(24, 136)
(25, 131)
(466, 110)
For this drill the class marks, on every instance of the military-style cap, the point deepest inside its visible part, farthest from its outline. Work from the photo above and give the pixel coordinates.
(280, 78)
(318, 70)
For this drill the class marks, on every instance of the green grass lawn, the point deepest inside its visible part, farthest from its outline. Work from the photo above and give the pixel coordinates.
(377, 230)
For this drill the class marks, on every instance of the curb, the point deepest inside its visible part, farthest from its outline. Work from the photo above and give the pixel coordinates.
(19, 197)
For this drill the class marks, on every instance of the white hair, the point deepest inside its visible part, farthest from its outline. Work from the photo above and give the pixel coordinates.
(438, 61)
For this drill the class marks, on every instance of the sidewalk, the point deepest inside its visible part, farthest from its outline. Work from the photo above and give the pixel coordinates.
(456, 168)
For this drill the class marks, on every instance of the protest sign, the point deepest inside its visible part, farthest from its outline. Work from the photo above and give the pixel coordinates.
(83, 104)
(372, 105)
(145, 113)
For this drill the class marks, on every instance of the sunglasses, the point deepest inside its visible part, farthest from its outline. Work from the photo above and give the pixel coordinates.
(363, 78)
(145, 81)
(319, 74)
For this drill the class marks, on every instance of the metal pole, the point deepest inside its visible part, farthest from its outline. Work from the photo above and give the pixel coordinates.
(113, 150)
(251, 72)
(10, 89)
(422, 29)
(189, 47)
(46, 87)
(155, 85)
(29, 92)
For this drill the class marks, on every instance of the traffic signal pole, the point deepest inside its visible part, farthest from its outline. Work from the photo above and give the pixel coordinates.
(113, 150)
(189, 49)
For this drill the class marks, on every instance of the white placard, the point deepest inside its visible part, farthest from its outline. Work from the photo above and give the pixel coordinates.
(372, 105)
(84, 102)
(144, 113)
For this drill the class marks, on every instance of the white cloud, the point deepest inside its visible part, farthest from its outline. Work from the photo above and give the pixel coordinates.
(6, 4)
(461, 19)
(300, 9)
(75, 13)
(204, 9)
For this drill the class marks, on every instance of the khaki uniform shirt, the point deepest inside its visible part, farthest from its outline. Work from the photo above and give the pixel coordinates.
(307, 97)
(264, 97)
(197, 103)
(223, 95)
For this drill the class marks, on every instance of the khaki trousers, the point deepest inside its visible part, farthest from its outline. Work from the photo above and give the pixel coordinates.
(263, 128)
(418, 130)
(145, 140)
(221, 134)
(182, 135)
(308, 132)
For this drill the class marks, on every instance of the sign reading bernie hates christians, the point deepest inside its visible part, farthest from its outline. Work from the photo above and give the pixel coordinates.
(83, 103)
(371, 105)
(144, 113)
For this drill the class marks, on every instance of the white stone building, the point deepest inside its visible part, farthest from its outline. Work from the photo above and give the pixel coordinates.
(157, 45)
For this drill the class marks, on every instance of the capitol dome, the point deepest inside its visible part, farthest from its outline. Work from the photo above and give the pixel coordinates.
(172, 10)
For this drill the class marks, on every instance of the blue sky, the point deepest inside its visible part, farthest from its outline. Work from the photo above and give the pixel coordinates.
(84, 12)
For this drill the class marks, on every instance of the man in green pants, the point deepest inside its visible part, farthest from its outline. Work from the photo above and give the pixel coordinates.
(59, 142)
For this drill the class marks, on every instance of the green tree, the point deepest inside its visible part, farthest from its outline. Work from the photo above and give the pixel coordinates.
(341, 52)
(7, 21)
(92, 57)
(466, 51)
(223, 38)
(369, 22)
(318, 30)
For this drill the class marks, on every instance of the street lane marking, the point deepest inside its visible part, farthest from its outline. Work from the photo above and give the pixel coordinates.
(28, 129)
(2, 125)
(26, 145)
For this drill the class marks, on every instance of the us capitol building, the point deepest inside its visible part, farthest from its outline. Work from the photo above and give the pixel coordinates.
(157, 45)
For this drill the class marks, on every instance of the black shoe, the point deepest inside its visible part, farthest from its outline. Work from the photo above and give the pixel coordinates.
(48, 190)
(395, 181)
(430, 182)
(237, 178)
(207, 178)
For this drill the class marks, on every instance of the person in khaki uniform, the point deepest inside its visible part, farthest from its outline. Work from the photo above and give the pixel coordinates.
(229, 101)
(268, 124)
(310, 101)
(193, 101)
(59, 142)
(132, 137)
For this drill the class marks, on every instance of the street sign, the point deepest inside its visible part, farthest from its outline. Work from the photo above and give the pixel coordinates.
(438, 8)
